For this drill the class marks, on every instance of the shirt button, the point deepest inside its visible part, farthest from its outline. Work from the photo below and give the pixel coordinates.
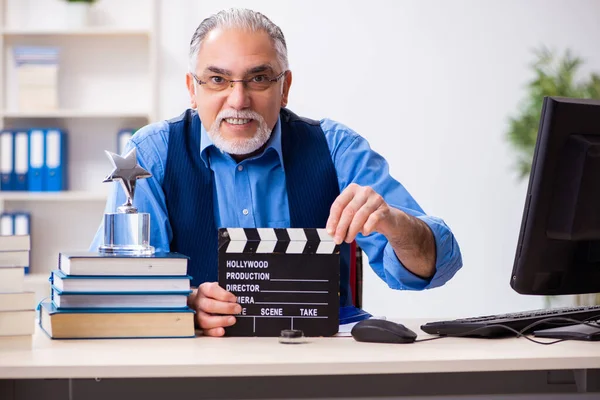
(240, 167)
(245, 211)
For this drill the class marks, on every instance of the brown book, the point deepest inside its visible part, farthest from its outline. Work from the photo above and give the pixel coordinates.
(115, 323)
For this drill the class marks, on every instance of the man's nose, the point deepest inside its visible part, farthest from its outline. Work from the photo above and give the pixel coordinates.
(239, 97)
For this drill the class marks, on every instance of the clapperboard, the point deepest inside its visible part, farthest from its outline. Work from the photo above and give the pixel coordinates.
(283, 279)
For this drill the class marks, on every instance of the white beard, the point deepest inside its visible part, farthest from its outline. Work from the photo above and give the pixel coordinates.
(239, 146)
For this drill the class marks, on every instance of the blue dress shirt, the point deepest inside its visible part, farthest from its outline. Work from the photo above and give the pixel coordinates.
(252, 194)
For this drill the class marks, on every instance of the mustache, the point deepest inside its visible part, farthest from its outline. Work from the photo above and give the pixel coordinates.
(243, 114)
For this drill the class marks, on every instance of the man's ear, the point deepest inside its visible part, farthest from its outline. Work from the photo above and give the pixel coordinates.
(190, 82)
(287, 82)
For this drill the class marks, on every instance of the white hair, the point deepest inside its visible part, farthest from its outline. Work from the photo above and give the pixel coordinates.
(239, 146)
(242, 19)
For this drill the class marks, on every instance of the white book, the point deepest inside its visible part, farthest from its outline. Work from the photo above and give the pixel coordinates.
(107, 284)
(12, 279)
(37, 87)
(17, 301)
(14, 258)
(15, 243)
(119, 300)
(89, 263)
(14, 323)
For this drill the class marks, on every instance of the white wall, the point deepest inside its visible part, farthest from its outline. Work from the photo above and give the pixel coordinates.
(430, 84)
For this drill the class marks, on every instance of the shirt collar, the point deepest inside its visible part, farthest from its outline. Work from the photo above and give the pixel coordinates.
(273, 143)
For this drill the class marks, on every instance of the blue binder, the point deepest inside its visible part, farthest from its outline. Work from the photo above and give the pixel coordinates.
(37, 156)
(6, 160)
(21, 159)
(22, 226)
(56, 159)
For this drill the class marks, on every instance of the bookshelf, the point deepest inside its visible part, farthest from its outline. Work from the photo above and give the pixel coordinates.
(108, 80)
(95, 31)
(73, 113)
(70, 195)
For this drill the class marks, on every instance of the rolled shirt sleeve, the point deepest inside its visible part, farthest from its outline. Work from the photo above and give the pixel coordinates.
(357, 163)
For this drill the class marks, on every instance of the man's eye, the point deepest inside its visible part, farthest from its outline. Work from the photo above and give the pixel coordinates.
(260, 78)
(217, 79)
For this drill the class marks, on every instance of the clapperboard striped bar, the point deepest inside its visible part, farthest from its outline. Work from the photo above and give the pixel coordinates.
(278, 240)
(284, 278)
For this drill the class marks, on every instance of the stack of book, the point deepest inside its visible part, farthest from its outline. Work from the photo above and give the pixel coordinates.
(37, 77)
(116, 296)
(17, 307)
(17, 223)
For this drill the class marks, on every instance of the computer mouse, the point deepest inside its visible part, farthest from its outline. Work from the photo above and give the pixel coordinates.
(382, 331)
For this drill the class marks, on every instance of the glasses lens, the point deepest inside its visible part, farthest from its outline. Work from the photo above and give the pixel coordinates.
(262, 85)
(259, 82)
(254, 83)
(216, 83)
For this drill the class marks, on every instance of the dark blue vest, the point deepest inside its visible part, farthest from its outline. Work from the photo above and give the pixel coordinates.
(311, 182)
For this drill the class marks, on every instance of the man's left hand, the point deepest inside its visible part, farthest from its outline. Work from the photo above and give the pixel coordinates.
(359, 209)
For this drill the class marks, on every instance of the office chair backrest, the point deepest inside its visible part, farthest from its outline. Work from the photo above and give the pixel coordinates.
(356, 274)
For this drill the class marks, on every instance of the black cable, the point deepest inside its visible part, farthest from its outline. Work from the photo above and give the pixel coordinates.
(521, 333)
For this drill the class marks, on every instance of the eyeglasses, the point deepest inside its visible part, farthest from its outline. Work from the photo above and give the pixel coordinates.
(256, 83)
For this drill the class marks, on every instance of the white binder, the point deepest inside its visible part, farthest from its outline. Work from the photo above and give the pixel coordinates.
(6, 160)
(6, 224)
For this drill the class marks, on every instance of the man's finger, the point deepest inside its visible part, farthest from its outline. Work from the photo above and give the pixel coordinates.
(214, 291)
(348, 216)
(361, 217)
(215, 332)
(212, 306)
(374, 221)
(338, 206)
(207, 321)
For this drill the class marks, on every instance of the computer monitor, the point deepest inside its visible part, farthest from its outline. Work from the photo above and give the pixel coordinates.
(558, 251)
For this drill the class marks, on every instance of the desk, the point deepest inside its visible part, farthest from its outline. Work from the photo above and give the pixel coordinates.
(263, 368)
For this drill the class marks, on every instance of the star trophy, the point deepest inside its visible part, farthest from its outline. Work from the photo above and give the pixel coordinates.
(126, 232)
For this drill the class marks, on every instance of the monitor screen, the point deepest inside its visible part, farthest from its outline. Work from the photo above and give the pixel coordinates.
(558, 251)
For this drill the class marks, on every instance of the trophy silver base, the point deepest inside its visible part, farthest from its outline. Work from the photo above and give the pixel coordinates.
(127, 234)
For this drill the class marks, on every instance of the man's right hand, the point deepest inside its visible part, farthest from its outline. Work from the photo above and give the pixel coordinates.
(214, 308)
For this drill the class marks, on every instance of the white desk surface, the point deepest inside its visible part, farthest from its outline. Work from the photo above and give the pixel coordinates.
(231, 357)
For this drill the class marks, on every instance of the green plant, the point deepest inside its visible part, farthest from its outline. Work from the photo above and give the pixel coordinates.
(554, 76)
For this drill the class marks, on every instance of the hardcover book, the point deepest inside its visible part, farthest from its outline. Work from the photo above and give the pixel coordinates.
(115, 323)
(119, 300)
(123, 283)
(90, 263)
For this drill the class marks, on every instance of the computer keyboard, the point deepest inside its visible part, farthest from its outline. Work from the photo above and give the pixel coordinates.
(487, 326)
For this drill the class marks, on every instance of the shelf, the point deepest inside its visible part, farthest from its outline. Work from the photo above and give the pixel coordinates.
(74, 114)
(53, 196)
(97, 99)
(17, 32)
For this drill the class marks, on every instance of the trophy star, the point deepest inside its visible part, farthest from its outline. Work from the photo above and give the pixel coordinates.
(127, 170)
